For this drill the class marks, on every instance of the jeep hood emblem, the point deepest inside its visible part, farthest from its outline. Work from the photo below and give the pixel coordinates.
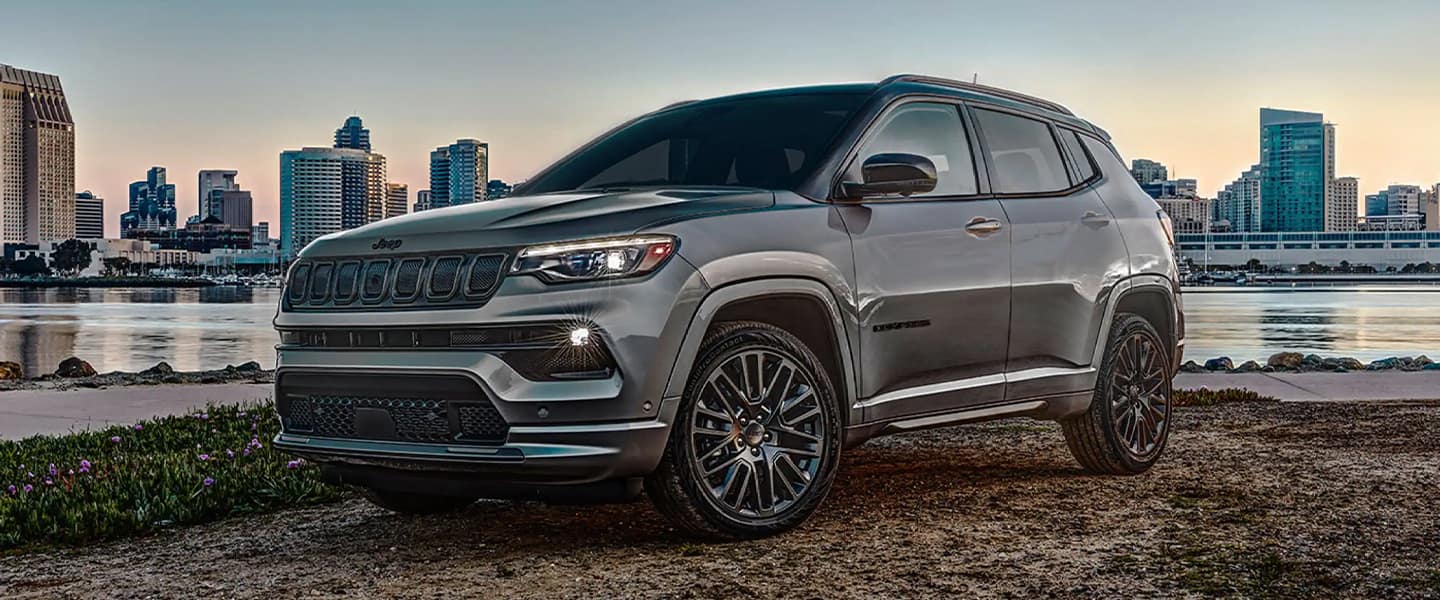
(385, 244)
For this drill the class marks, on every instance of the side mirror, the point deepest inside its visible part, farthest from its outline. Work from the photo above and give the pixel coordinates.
(893, 174)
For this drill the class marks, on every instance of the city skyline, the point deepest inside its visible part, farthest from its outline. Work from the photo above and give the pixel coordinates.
(534, 88)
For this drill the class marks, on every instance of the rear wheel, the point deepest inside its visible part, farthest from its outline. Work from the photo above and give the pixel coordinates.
(416, 504)
(756, 440)
(1128, 423)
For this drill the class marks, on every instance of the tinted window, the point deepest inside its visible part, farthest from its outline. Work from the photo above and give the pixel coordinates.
(1023, 154)
(934, 131)
(770, 142)
(1077, 151)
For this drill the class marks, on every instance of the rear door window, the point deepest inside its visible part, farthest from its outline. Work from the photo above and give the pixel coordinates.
(1024, 158)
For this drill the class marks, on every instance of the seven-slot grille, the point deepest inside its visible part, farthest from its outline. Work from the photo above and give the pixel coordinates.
(452, 280)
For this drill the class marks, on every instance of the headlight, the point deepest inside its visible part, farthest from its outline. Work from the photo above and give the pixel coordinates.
(590, 260)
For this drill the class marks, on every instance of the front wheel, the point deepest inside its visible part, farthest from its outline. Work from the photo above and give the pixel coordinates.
(1128, 422)
(756, 440)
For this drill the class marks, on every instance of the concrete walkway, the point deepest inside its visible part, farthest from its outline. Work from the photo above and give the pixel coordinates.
(30, 412)
(26, 413)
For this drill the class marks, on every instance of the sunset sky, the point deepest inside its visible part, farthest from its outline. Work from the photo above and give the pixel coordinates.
(199, 84)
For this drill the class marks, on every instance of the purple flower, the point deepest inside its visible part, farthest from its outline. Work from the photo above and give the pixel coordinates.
(229, 453)
(138, 427)
(69, 471)
(294, 464)
(84, 466)
(30, 475)
(115, 439)
(48, 482)
(204, 457)
(28, 488)
(254, 427)
(53, 472)
(246, 451)
(242, 414)
(208, 482)
(11, 489)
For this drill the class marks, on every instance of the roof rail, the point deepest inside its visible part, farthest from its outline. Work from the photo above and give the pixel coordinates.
(976, 87)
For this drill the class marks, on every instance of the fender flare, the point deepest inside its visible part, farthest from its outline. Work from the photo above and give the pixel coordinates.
(721, 297)
(1144, 282)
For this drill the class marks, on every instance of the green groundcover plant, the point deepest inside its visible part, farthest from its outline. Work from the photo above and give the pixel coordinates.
(125, 480)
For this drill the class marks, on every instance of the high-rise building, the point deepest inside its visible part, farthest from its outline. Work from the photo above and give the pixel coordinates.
(152, 204)
(325, 190)
(353, 134)
(1175, 188)
(210, 180)
(1377, 205)
(1240, 203)
(1402, 199)
(397, 199)
(1148, 171)
(1296, 164)
(459, 173)
(260, 233)
(89, 216)
(1341, 212)
(1430, 208)
(1187, 215)
(37, 158)
(422, 200)
(497, 189)
(233, 207)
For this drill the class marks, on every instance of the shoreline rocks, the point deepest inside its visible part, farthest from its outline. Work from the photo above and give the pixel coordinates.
(1295, 362)
(76, 373)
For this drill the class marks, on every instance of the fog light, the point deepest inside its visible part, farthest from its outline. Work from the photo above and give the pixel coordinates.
(579, 336)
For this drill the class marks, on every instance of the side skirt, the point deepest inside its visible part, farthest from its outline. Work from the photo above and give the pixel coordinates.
(1050, 408)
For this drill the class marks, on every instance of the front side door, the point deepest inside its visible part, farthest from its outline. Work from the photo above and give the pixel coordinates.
(932, 274)
(1066, 251)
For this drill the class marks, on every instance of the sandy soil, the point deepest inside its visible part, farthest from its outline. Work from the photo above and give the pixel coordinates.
(1283, 500)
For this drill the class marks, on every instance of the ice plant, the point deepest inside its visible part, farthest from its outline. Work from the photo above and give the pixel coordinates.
(294, 464)
(204, 457)
(209, 481)
(28, 488)
(11, 489)
(115, 439)
(138, 427)
(84, 466)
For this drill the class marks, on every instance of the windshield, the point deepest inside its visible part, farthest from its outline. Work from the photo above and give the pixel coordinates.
(770, 142)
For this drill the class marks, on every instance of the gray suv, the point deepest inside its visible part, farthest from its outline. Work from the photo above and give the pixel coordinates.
(710, 302)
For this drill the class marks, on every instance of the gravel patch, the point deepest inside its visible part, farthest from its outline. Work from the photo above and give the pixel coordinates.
(1252, 500)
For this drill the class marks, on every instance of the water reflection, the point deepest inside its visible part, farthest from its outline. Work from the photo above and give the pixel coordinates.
(133, 328)
(1363, 322)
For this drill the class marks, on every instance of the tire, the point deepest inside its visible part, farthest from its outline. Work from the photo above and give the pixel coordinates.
(415, 504)
(1128, 423)
(771, 461)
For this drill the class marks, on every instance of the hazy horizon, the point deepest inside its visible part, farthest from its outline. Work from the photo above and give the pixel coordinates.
(212, 85)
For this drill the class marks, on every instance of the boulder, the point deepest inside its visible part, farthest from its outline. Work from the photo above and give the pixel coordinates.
(1285, 360)
(1383, 364)
(1431, 367)
(11, 370)
(1330, 364)
(1191, 367)
(1350, 364)
(1311, 362)
(74, 367)
(160, 369)
(1248, 366)
(249, 367)
(1219, 364)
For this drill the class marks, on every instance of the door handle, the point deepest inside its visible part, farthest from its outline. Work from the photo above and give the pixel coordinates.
(1094, 218)
(983, 226)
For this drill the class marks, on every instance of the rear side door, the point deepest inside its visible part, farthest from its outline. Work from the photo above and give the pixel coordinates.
(1066, 250)
(932, 273)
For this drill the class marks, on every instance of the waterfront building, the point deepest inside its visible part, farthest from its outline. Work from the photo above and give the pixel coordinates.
(89, 216)
(1380, 249)
(1405, 222)
(232, 207)
(1377, 205)
(1341, 212)
(1296, 165)
(422, 200)
(207, 235)
(1430, 206)
(1188, 215)
(459, 173)
(353, 134)
(211, 180)
(1238, 204)
(397, 199)
(325, 190)
(260, 233)
(152, 204)
(1145, 171)
(1175, 188)
(1402, 199)
(37, 158)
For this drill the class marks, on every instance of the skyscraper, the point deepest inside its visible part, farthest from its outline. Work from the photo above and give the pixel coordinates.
(497, 189)
(1402, 199)
(1377, 205)
(353, 134)
(1145, 170)
(397, 199)
(210, 180)
(422, 200)
(1296, 164)
(325, 190)
(89, 216)
(459, 173)
(260, 234)
(1340, 213)
(1240, 202)
(37, 158)
(152, 204)
(233, 207)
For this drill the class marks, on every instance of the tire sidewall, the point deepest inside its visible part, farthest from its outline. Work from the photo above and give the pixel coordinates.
(1128, 326)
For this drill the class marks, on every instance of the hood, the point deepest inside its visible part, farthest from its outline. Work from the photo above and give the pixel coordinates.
(524, 220)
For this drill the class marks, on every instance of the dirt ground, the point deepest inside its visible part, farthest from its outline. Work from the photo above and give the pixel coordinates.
(1260, 499)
